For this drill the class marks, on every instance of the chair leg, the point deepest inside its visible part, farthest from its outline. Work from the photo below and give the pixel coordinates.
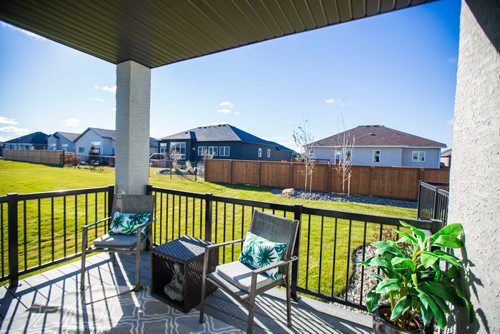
(202, 303)
(82, 275)
(138, 267)
(288, 300)
(251, 312)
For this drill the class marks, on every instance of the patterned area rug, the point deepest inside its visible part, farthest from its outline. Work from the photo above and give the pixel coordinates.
(111, 310)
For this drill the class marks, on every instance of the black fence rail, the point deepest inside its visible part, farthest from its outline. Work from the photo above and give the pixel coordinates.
(42, 229)
(432, 201)
(329, 241)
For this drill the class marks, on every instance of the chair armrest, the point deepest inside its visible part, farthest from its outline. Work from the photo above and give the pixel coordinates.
(97, 222)
(274, 265)
(149, 222)
(214, 246)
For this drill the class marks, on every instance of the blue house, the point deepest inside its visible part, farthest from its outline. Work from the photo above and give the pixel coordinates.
(222, 141)
(62, 141)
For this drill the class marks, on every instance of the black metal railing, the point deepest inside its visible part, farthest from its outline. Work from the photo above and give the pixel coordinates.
(432, 201)
(327, 242)
(42, 229)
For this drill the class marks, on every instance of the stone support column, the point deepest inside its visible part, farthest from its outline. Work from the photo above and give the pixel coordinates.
(133, 92)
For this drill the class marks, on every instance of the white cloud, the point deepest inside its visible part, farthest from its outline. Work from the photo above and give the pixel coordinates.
(96, 99)
(24, 32)
(236, 112)
(226, 104)
(14, 129)
(5, 138)
(225, 111)
(338, 102)
(8, 121)
(71, 122)
(109, 89)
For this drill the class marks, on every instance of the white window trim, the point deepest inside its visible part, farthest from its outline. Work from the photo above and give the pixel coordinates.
(181, 145)
(379, 156)
(224, 151)
(213, 151)
(420, 154)
(268, 153)
(259, 152)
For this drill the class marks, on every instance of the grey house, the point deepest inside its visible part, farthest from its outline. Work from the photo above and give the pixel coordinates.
(223, 141)
(377, 145)
(62, 141)
(103, 142)
(32, 141)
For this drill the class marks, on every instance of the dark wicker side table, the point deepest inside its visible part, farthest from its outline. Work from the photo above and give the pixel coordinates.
(181, 257)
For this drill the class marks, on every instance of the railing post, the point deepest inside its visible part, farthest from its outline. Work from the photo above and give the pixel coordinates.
(111, 194)
(208, 217)
(149, 189)
(435, 206)
(419, 200)
(297, 215)
(13, 241)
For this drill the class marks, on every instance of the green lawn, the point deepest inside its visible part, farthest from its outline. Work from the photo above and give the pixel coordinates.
(318, 245)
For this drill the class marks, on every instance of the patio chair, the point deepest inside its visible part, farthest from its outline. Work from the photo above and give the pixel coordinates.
(127, 234)
(243, 282)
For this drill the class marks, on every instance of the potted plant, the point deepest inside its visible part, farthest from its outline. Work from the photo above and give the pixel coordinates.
(415, 287)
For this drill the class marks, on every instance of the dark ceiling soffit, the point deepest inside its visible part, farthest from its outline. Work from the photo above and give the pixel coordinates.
(110, 51)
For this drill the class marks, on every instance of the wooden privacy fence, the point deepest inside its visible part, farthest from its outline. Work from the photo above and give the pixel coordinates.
(36, 156)
(391, 182)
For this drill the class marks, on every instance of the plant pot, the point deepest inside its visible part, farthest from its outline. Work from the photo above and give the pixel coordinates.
(382, 326)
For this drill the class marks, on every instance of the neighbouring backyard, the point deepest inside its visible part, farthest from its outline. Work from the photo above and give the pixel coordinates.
(50, 228)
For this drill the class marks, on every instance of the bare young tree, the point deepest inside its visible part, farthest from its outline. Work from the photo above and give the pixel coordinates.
(175, 156)
(343, 146)
(303, 139)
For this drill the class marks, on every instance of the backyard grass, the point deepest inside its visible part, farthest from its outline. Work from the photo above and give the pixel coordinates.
(52, 227)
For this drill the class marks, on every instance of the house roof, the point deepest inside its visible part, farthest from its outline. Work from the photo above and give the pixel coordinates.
(221, 133)
(68, 135)
(106, 133)
(378, 135)
(157, 33)
(39, 138)
(446, 153)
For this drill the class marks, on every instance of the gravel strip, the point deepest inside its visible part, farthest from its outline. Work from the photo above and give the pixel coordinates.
(335, 197)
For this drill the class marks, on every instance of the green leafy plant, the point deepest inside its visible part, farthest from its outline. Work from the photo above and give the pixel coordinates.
(412, 280)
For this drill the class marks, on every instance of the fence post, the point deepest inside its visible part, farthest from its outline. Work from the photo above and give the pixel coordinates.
(208, 217)
(111, 194)
(13, 241)
(297, 215)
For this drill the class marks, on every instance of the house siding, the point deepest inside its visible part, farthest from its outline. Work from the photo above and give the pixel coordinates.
(250, 152)
(432, 158)
(107, 144)
(389, 156)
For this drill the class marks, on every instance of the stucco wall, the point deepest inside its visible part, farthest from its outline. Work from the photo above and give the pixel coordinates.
(475, 172)
(432, 158)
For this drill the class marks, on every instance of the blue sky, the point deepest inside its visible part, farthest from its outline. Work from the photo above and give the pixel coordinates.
(397, 70)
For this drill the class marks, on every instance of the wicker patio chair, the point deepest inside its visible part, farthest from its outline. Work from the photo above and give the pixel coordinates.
(244, 283)
(122, 243)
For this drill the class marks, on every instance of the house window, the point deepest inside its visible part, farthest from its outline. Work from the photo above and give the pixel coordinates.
(179, 148)
(418, 156)
(259, 153)
(213, 151)
(202, 151)
(163, 148)
(224, 151)
(64, 147)
(268, 152)
(376, 156)
(52, 147)
(81, 149)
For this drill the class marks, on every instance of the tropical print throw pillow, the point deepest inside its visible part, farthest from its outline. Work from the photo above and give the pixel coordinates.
(126, 223)
(258, 252)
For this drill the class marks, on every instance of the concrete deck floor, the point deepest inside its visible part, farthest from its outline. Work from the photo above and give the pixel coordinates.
(51, 302)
